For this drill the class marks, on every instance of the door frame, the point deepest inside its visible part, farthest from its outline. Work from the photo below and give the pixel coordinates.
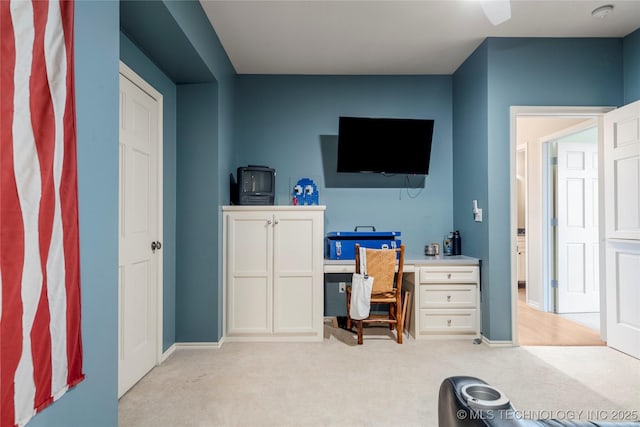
(550, 111)
(549, 245)
(136, 79)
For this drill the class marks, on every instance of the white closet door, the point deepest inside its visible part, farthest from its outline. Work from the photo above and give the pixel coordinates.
(139, 226)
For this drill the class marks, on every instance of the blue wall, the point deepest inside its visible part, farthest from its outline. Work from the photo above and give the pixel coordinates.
(631, 49)
(197, 297)
(172, 45)
(283, 122)
(94, 402)
(470, 153)
(131, 55)
(575, 72)
(213, 191)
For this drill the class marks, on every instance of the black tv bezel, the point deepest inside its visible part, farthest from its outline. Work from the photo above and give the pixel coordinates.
(255, 197)
(365, 144)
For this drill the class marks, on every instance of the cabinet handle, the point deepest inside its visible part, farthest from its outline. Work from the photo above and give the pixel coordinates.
(276, 222)
(449, 276)
(448, 298)
(449, 322)
(269, 221)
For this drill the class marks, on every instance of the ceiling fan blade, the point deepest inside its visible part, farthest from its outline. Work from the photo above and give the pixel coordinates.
(497, 11)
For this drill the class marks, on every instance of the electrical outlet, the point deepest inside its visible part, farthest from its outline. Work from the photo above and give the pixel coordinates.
(342, 287)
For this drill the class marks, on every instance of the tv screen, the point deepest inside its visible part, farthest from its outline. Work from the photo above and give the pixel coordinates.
(387, 145)
(255, 186)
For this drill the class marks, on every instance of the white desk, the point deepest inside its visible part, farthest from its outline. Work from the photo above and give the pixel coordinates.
(445, 294)
(410, 263)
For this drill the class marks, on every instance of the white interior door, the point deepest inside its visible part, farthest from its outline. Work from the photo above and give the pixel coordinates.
(622, 227)
(139, 226)
(578, 248)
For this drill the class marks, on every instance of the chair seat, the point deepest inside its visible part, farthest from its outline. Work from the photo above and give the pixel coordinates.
(384, 297)
(379, 318)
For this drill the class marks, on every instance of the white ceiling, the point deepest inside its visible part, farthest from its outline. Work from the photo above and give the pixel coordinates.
(532, 129)
(392, 37)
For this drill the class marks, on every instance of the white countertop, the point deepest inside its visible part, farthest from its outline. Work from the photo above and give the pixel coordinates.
(410, 262)
(240, 208)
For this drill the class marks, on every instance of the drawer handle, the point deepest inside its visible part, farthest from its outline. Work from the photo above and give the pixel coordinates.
(449, 322)
(448, 298)
(449, 276)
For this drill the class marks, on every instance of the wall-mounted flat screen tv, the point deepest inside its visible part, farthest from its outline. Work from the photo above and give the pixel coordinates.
(384, 145)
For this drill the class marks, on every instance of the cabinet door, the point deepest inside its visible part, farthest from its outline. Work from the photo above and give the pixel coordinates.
(249, 273)
(297, 261)
(522, 259)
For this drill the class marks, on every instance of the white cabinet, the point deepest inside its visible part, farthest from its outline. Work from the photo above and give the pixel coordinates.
(447, 302)
(522, 258)
(273, 262)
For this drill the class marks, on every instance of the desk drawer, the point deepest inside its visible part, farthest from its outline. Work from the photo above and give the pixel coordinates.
(442, 274)
(448, 321)
(448, 296)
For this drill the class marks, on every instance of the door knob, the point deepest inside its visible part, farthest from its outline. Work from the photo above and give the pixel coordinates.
(155, 245)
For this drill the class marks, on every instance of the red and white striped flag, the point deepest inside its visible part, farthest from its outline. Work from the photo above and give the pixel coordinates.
(40, 337)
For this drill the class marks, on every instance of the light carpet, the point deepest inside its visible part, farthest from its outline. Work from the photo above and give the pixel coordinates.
(380, 383)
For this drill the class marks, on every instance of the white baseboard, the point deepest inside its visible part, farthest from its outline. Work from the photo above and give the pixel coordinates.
(164, 356)
(496, 343)
(198, 345)
(191, 346)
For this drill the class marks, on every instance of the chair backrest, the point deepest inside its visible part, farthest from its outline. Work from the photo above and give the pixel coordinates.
(381, 265)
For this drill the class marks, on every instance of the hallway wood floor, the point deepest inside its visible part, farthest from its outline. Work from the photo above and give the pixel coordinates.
(537, 327)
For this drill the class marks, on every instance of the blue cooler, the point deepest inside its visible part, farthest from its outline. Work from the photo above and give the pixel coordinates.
(341, 244)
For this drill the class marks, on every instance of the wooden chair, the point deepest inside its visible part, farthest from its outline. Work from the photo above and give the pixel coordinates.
(387, 288)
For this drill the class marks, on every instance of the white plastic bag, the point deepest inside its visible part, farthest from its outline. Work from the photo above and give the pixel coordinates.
(360, 296)
(361, 286)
